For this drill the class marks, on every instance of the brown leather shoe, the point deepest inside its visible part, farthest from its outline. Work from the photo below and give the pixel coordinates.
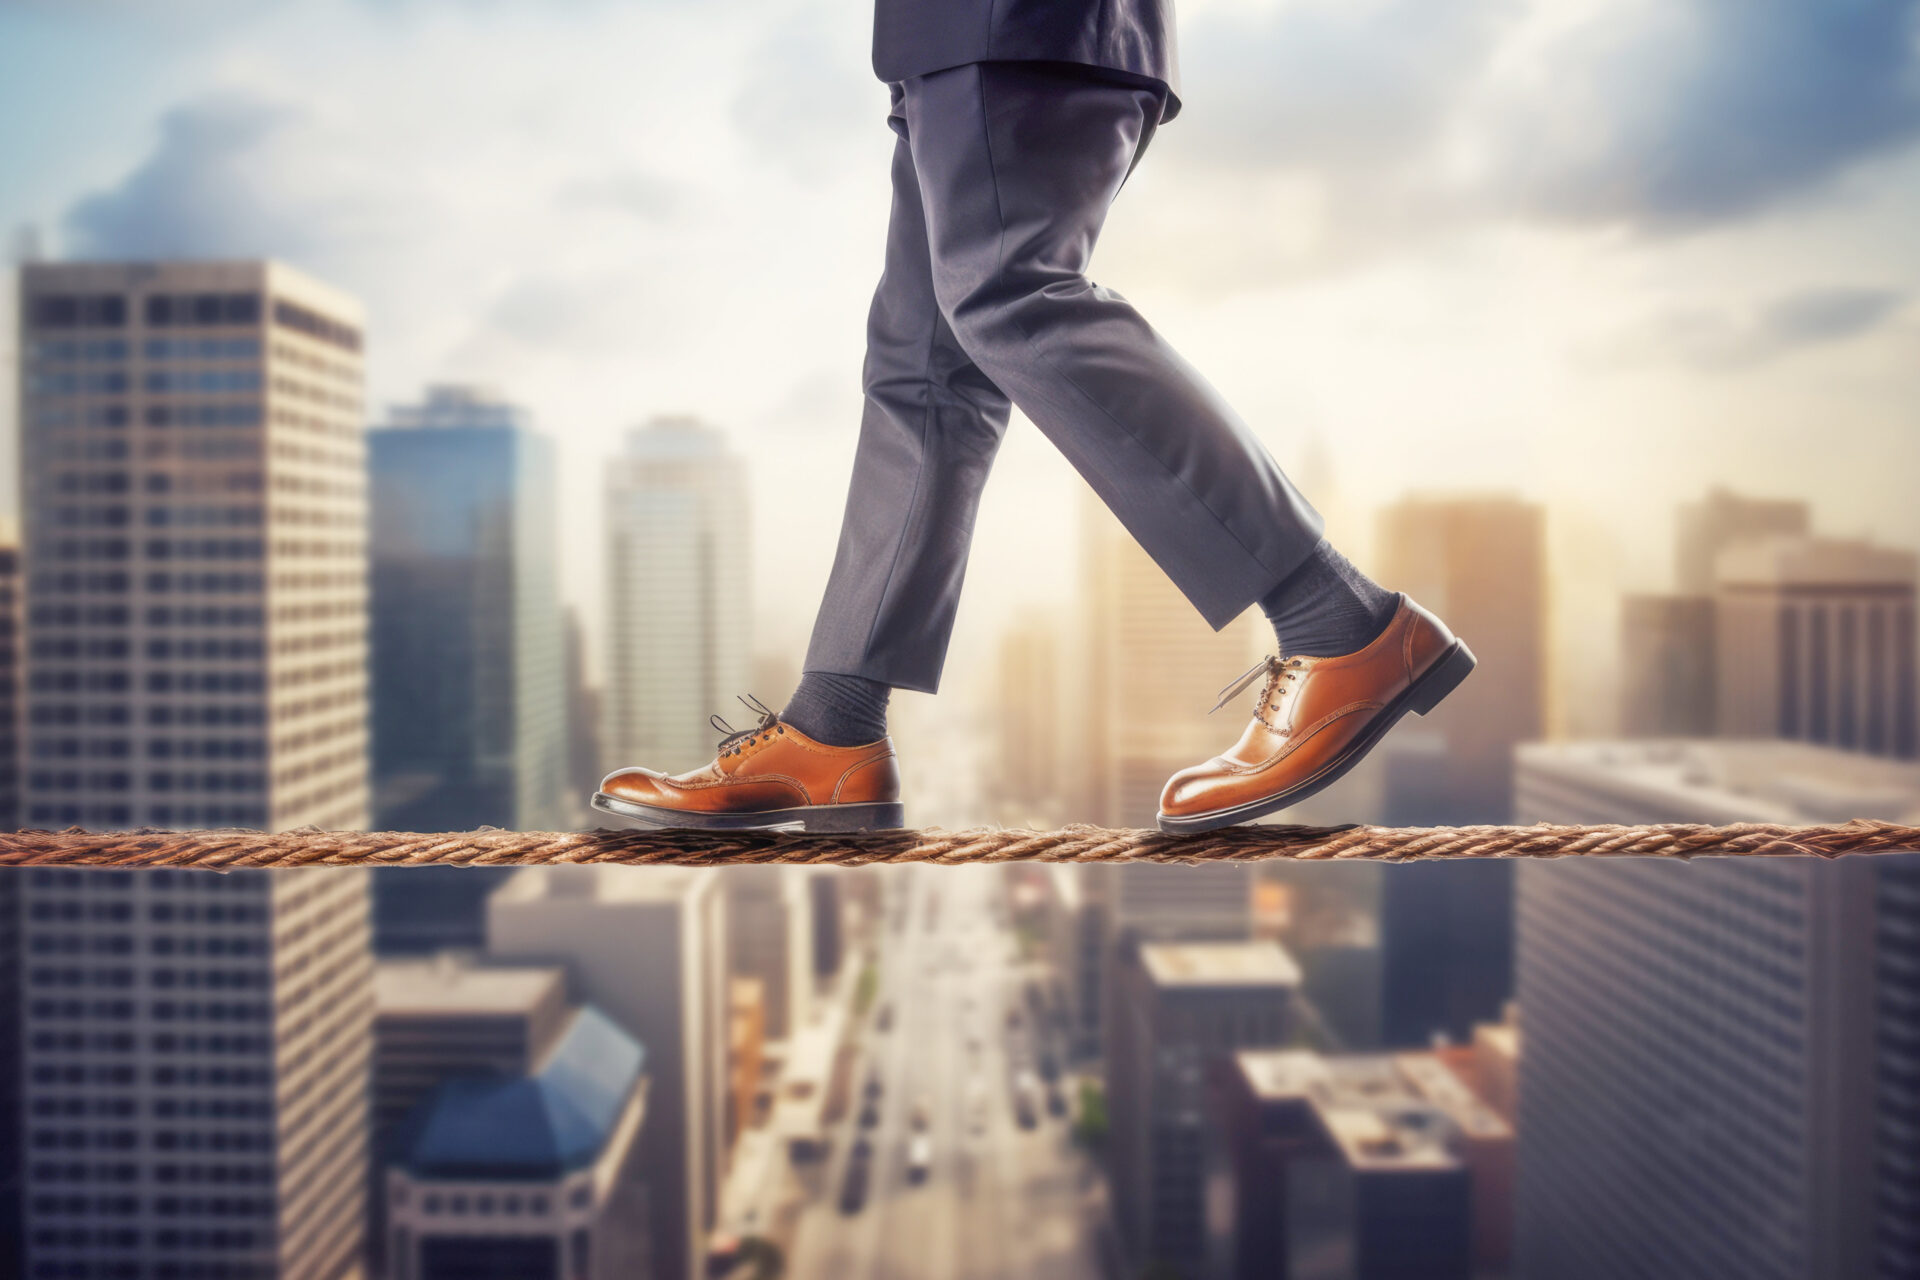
(1317, 717)
(770, 776)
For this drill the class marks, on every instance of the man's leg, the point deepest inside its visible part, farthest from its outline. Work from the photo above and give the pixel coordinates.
(932, 425)
(1017, 165)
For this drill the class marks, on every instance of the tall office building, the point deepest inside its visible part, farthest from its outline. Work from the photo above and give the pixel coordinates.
(12, 1151)
(648, 947)
(770, 941)
(195, 1073)
(9, 688)
(1446, 930)
(1816, 643)
(195, 510)
(1720, 1070)
(583, 723)
(1149, 666)
(1724, 519)
(1032, 719)
(469, 712)
(678, 593)
(1186, 1008)
(1667, 667)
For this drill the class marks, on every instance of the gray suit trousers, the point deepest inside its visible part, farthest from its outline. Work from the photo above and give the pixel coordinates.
(1002, 177)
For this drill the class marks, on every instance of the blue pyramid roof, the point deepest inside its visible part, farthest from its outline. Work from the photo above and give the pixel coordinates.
(528, 1127)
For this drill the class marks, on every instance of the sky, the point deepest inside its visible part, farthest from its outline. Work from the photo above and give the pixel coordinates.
(1600, 253)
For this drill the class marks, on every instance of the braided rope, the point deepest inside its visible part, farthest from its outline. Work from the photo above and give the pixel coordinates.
(234, 850)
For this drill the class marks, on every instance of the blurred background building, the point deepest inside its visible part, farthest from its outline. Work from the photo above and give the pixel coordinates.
(678, 604)
(647, 947)
(1720, 1070)
(470, 723)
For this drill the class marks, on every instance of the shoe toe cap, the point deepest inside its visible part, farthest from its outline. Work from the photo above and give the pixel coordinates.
(1192, 790)
(639, 785)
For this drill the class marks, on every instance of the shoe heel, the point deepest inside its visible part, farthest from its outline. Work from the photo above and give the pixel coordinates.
(842, 818)
(1455, 665)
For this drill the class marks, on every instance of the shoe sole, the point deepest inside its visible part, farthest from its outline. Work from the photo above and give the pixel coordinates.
(1422, 696)
(819, 818)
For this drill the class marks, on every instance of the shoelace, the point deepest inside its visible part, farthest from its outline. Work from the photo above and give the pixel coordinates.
(1283, 668)
(732, 739)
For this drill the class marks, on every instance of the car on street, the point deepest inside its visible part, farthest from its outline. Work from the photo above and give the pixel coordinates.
(869, 1115)
(853, 1187)
(919, 1157)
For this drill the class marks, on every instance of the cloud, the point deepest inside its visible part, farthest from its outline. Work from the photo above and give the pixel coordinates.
(1724, 341)
(207, 190)
(1676, 113)
(808, 102)
(642, 195)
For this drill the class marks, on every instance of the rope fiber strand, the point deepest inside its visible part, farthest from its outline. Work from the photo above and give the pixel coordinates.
(238, 850)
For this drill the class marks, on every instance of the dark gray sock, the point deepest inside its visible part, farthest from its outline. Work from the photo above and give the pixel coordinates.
(841, 711)
(1327, 607)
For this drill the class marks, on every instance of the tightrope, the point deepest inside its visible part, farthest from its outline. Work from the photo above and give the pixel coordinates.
(310, 847)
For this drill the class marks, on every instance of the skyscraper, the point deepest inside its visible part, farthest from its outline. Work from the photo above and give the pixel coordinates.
(1031, 722)
(469, 712)
(679, 648)
(1185, 1008)
(648, 947)
(1446, 929)
(770, 940)
(1724, 519)
(10, 581)
(1718, 1054)
(1816, 643)
(1149, 665)
(469, 709)
(1667, 666)
(195, 1056)
(195, 505)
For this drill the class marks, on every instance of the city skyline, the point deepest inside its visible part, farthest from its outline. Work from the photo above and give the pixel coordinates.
(411, 409)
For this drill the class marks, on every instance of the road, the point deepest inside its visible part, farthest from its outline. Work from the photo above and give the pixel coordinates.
(999, 1200)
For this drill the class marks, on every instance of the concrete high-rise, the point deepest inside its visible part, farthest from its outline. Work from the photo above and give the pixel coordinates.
(1667, 685)
(1148, 666)
(1723, 519)
(468, 664)
(195, 509)
(1185, 1009)
(469, 709)
(678, 593)
(1720, 1072)
(1446, 930)
(648, 947)
(10, 582)
(195, 1056)
(770, 940)
(1815, 640)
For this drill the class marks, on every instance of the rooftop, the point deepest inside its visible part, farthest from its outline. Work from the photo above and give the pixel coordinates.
(451, 985)
(602, 883)
(1723, 780)
(1219, 964)
(1382, 1112)
(528, 1127)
